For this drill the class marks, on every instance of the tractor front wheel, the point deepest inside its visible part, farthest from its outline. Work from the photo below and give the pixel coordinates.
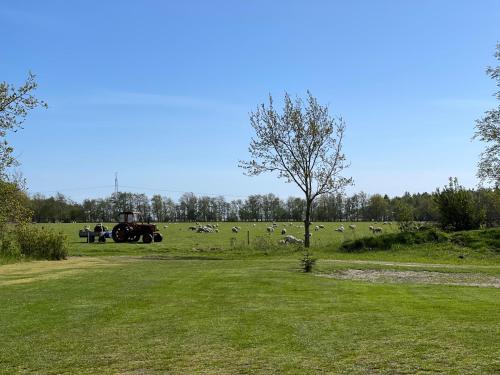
(120, 233)
(147, 238)
(158, 237)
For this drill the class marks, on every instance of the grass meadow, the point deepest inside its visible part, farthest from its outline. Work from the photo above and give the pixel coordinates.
(210, 303)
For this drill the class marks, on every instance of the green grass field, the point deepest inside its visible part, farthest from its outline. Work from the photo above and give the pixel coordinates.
(209, 303)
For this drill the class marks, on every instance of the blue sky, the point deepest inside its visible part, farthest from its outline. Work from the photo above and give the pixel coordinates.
(160, 91)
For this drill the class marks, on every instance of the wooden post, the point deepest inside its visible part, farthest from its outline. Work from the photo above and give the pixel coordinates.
(248, 237)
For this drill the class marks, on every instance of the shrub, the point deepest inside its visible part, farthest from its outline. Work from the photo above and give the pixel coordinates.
(307, 262)
(9, 248)
(458, 208)
(41, 243)
(386, 241)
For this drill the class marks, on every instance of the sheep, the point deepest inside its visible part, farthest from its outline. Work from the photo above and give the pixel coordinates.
(275, 225)
(370, 227)
(235, 229)
(316, 228)
(283, 231)
(193, 228)
(165, 226)
(340, 229)
(292, 239)
(270, 229)
(352, 226)
(377, 230)
(321, 227)
(204, 230)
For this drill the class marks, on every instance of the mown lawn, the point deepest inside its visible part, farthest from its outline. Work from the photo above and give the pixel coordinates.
(227, 316)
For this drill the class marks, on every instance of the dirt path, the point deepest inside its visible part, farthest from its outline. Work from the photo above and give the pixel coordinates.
(422, 277)
(409, 264)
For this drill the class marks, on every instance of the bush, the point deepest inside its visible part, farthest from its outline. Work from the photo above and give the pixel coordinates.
(458, 208)
(307, 262)
(386, 241)
(9, 248)
(39, 243)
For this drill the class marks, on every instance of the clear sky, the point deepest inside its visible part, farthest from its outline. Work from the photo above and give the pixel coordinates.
(160, 91)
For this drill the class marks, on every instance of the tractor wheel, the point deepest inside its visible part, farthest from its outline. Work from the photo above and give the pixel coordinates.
(158, 237)
(134, 238)
(120, 233)
(147, 238)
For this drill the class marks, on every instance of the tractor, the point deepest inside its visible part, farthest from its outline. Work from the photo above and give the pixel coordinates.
(130, 228)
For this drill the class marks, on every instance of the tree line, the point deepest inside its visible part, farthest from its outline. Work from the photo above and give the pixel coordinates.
(264, 207)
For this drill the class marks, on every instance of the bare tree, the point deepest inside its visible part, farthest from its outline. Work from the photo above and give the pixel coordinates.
(488, 131)
(303, 144)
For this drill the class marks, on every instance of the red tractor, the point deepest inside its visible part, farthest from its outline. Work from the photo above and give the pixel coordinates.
(130, 229)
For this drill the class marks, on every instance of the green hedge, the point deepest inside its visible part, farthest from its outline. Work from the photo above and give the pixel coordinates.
(41, 243)
(386, 241)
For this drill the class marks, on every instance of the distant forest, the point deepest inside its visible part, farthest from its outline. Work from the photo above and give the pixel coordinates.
(267, 207)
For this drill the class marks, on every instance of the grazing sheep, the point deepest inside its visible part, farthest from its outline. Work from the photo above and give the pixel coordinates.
(321, 227)
(193, 228)
(370, 227)
(165, 226)
(292, 239)
(316, 228)
(282, 242)
(204, 230)
(340, 229)
(352, 226)
(377, 230)
(270, 229)
(283, 231)
(275, 225)
(235, 229)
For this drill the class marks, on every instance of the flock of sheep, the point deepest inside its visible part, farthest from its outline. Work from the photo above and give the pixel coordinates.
(288, 238)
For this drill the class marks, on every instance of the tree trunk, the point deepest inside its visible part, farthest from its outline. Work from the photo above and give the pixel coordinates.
(307, 224)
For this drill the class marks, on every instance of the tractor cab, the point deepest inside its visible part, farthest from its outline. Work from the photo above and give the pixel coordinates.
(129, 217)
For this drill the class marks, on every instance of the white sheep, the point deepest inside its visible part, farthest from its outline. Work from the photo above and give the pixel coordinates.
(316, 228)
(283, 231)
(292, 239)
(340, 229)
(352, 226)
(235, 229)
(377, 230)
(270, 229)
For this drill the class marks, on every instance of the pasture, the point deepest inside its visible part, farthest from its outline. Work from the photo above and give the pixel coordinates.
(209, 303)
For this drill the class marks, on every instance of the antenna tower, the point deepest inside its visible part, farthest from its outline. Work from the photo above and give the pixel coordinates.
(116, 184)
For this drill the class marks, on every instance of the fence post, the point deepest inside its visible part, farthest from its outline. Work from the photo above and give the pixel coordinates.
(248, 237)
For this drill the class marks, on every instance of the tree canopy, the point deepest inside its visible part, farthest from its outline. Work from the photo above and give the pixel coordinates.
(488, 131)
(15, 103)
(303, 144)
